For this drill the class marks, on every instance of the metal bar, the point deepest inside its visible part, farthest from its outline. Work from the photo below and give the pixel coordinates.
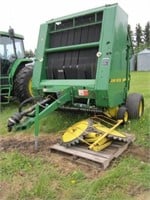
(55, 105)
(72, 47)
(90, 110)
(75, 27)
(65, 97)
(105, 134)
(36, 129)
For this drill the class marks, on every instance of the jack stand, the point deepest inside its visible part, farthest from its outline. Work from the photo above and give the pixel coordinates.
(36, 143)
(36, 128)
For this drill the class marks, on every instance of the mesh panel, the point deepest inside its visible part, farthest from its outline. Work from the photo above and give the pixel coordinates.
(80, 64)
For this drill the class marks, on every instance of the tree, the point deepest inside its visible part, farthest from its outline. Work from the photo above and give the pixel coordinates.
(29, 53)
(139, 35)
(129, 30)
(147, 34)
(132, 36)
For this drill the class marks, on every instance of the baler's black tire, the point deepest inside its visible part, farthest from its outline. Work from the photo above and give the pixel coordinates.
(122, 114)
(23, 83)
(135, 105)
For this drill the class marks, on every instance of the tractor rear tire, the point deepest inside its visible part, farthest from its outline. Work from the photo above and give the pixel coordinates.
(135, 105)
(23, 83)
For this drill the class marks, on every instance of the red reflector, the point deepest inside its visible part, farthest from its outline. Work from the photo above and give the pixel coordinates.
(83, 92)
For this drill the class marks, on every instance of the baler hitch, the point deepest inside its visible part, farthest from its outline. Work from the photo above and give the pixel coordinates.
(24, 119)
(29, 112)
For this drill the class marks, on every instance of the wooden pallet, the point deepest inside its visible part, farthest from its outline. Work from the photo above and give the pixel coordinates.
(103, 157)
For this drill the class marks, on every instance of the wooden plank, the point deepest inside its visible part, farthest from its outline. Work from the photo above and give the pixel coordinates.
(103, 157)
(77, 152)
(102, 154)
(121, 150)
(89, 156)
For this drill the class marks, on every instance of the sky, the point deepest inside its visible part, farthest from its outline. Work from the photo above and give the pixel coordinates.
(25, 16)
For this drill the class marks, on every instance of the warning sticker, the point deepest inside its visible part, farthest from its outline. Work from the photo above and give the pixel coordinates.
(83, 92)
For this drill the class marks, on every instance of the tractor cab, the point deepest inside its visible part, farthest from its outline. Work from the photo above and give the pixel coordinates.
(11, 48)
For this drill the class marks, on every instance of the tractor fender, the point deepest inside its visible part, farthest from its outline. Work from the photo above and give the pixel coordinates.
(18, 64)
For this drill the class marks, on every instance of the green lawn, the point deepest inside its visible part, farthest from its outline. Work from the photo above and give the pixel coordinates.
(140, 83)
(38, 177)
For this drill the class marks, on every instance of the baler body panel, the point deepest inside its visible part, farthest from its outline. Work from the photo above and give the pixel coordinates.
(86, 52)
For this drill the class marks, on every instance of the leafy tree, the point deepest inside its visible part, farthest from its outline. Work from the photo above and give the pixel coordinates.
(147, 34)
(132, 36)
(139, 35)
(29, 53)
(140, 38)
(129, 30)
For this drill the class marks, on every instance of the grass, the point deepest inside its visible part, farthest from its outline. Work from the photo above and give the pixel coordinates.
(37, 179)
(6, 112)
(60, 120)
(25, 177)
(55, 122)
(123, 172)
(140, 83)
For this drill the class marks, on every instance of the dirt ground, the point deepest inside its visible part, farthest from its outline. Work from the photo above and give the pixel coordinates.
(25, 144)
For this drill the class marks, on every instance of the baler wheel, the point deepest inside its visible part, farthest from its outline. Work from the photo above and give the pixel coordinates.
(135, 105)
(23, 83)
(122, 114)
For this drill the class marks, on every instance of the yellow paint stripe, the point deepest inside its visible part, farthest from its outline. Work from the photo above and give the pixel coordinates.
(117, 80)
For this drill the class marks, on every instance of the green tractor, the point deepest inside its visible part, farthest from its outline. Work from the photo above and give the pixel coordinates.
(15, 69)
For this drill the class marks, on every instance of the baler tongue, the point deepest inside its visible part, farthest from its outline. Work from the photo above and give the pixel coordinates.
(97, 132)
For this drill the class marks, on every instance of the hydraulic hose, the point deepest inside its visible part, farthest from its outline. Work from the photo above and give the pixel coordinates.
(29, 112)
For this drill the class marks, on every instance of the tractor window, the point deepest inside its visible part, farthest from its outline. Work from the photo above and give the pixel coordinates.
(7, 48)
(2, 47)
(19, 48)
(10, 51)
(1, 51)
